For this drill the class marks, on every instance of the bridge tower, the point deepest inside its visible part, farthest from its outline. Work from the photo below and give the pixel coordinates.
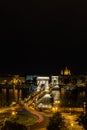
(42, 83)
(55, 80)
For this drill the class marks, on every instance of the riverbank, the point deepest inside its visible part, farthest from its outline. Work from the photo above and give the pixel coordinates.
(18, 114)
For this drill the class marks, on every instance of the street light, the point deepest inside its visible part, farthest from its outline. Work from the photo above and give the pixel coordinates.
(57, 102)
(54, 109)
(84, 107)
(14, 113)
(72, 124)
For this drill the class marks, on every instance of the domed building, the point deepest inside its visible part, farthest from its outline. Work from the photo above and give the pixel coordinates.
(66, 71)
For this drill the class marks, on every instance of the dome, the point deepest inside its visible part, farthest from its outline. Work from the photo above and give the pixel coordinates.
(65, 72)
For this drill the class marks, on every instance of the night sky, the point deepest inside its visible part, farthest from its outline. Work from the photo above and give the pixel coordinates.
(42, 37)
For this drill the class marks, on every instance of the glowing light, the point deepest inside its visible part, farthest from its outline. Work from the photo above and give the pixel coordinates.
(66, 72)
(14, 113)
(71, 124)
(42, 78)
(57, 102)
(54, 109)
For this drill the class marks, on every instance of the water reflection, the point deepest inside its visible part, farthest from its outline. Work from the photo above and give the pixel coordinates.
(73, 98)
(8, 95)
(67, 98)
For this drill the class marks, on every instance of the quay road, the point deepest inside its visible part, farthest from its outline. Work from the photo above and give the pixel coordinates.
(2, 110)
(5, 110)
(43, 119)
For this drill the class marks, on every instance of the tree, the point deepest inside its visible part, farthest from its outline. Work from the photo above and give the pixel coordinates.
(13, 126)
(82, 120)
(56, 122)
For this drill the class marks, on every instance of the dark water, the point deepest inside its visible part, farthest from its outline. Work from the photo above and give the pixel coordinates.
(73, 98)
(8, 95)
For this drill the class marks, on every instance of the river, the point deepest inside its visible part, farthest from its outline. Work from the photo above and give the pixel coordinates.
(9, 95)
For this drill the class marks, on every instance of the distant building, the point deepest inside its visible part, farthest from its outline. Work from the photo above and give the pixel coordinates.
(30, 77)
(12, 79)
(66, 71)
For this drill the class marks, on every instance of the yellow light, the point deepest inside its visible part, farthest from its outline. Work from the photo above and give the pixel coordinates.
(54, 109)
(58, 101)
(66, 71)
(71, 124)
(13, 113)
(13, 103)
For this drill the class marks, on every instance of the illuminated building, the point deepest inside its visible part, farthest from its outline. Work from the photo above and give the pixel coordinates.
(65, 72)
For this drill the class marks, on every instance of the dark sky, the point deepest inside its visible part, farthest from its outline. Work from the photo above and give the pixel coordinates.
(42, 37)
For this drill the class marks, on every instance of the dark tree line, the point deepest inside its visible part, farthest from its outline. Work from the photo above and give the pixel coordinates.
(13, 126)
(57, 122)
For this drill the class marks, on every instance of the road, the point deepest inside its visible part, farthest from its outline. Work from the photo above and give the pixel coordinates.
(6, 110)
(43, 118)
(70, 120)
(2, 110)
(42, 121)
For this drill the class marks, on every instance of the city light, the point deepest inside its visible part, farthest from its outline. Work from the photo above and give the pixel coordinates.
(72, 124)
(14, 113)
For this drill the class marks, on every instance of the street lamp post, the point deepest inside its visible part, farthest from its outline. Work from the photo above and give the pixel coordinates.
(84, 107)
(14, 115)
